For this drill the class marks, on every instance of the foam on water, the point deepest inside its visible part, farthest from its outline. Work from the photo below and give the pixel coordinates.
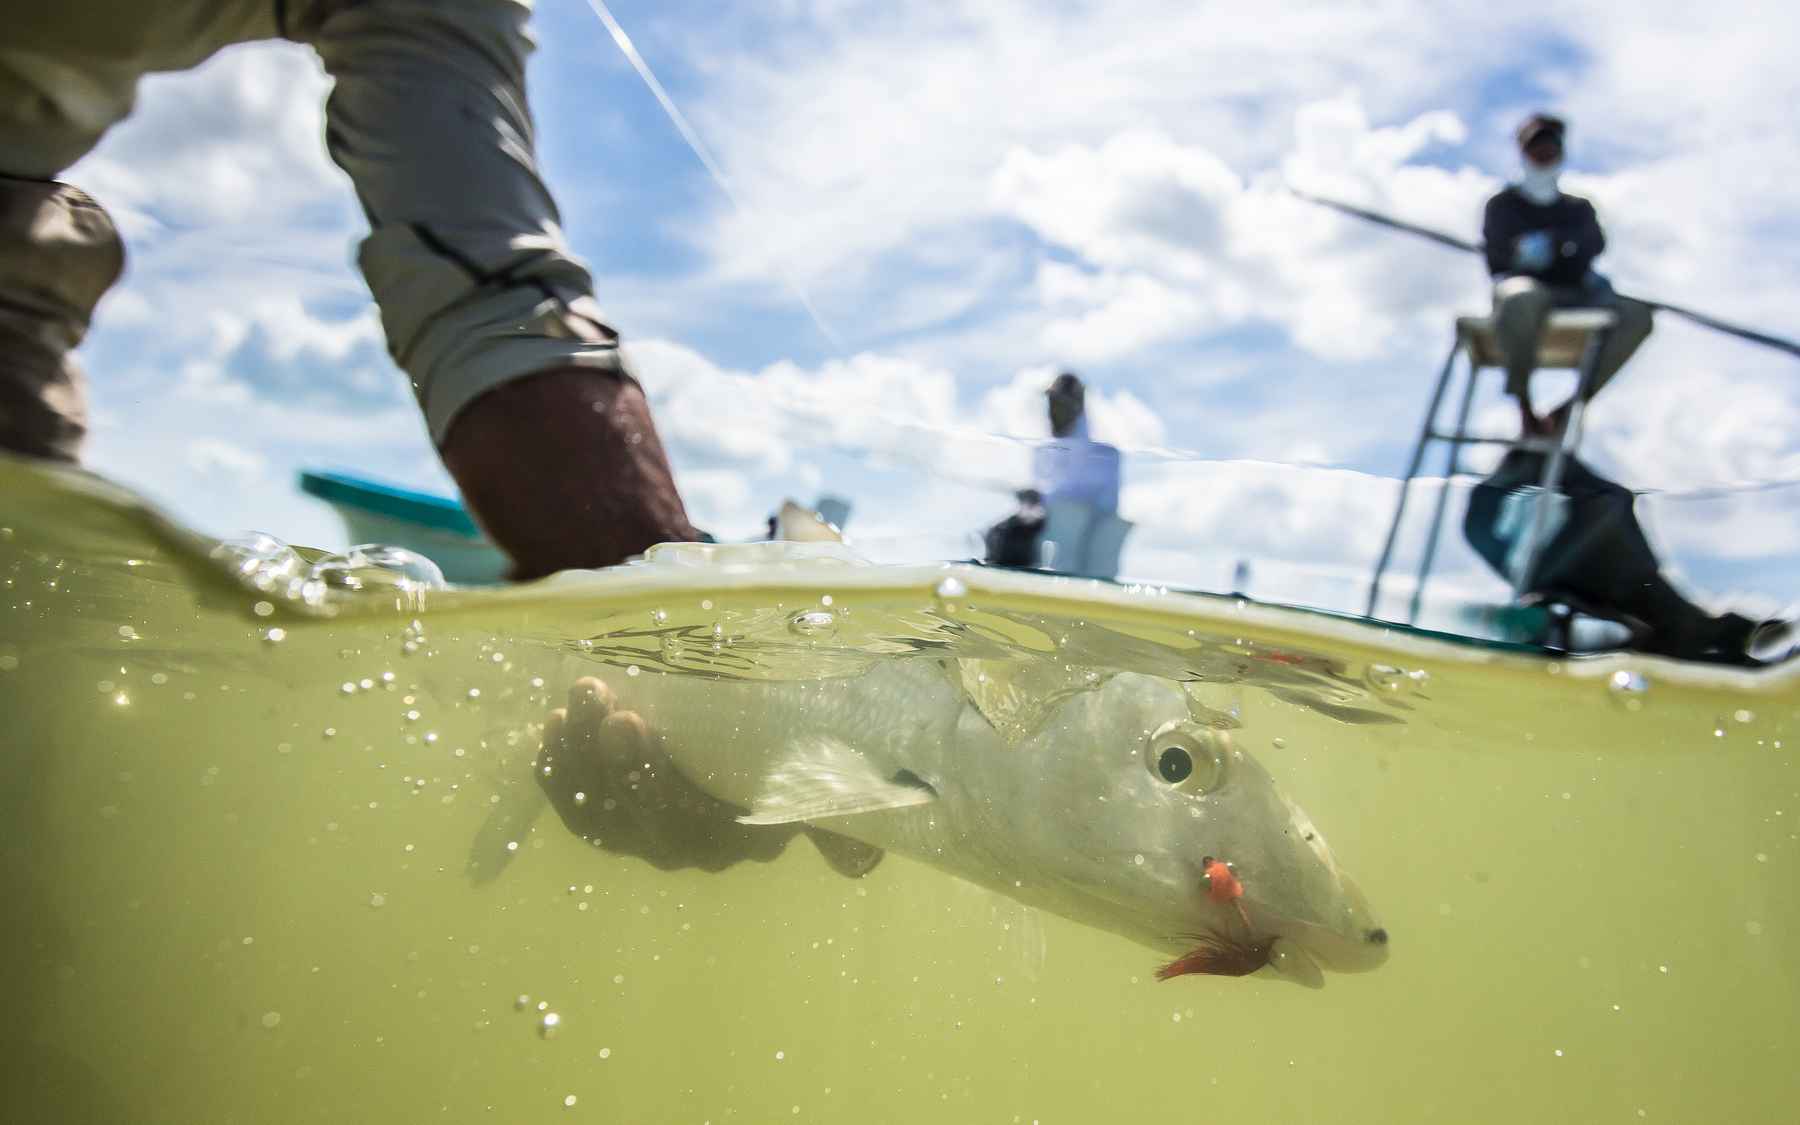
(234, 861)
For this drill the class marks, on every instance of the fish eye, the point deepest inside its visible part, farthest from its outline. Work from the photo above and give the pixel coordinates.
(1185, 757)
(1174, 764)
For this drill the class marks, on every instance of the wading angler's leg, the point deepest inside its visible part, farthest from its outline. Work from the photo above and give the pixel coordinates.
(58, 254)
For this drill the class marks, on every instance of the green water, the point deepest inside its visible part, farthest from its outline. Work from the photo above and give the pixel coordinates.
(236, 887)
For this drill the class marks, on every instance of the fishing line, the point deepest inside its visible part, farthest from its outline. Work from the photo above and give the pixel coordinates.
(1704, 320)
(700, 151)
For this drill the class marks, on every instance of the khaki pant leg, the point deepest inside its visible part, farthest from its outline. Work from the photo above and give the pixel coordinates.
(1521, 305)
(466, 255)
(58, 254)
(1636, 319)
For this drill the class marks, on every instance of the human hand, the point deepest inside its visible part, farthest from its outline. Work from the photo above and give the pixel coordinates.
(613, 785)
(1534, 250)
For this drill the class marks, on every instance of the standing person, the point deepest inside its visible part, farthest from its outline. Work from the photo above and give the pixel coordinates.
(1072, 465)
(1069, 468)
(1541, 244)
(484, 306)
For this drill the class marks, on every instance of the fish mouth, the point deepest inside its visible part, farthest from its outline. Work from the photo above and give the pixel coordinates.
(1327, 948)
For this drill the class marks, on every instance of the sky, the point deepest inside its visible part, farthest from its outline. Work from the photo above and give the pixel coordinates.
(975, 196)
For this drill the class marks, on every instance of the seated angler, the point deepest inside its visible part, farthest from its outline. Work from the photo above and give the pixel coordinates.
(1541, 245)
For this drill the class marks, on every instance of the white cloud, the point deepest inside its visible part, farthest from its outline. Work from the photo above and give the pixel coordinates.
(237, 141)
(212, 455)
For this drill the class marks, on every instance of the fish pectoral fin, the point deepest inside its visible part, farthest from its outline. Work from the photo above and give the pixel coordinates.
(515, 809)
(850, 858)
(1289, 962)
(830, 779)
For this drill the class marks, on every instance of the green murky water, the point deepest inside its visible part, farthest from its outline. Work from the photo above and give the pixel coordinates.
(236, 829)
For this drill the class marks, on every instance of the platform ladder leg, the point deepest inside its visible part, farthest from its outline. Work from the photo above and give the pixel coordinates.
(1557, 463)
(1452, 465)
(1412, 470)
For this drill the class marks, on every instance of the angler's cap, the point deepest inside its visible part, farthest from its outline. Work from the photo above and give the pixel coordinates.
(1540, 126)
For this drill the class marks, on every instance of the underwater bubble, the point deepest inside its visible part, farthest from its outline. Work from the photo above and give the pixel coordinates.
(605, 1052)
(522, 1002)
(1743, 716)
(1386, 677)
(274, 636)
(397, 565)
(569, 1100)
(1628, 689)
(271, 1020)
(580, 798)
(263, 609)
(950, 588)
(474, 693)
(659, 616)
(812, 623)
(632, 669)
(127, 633)
(335, 572)
(262, 562)
(377, 900)
(549, 1025)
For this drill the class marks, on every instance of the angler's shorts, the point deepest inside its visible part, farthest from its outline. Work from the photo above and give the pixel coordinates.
(465, 256)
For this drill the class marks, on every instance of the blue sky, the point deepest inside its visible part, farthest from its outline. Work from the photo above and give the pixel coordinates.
(975, 195)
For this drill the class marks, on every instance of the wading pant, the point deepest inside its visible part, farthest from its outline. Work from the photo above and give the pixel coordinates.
(465, 256)
(1601, 558)
(1523, 304)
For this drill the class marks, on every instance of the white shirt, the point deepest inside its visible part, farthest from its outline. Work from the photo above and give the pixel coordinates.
(1077, 468)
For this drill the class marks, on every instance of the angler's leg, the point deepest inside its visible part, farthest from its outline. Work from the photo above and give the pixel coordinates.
(58, 250)
(1635, 323)
(1521, 306)
(484, 305)
(58, 254)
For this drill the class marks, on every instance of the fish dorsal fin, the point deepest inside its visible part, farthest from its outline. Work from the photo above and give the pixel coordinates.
(828, 778)
(1015, 696)
(803, 525)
